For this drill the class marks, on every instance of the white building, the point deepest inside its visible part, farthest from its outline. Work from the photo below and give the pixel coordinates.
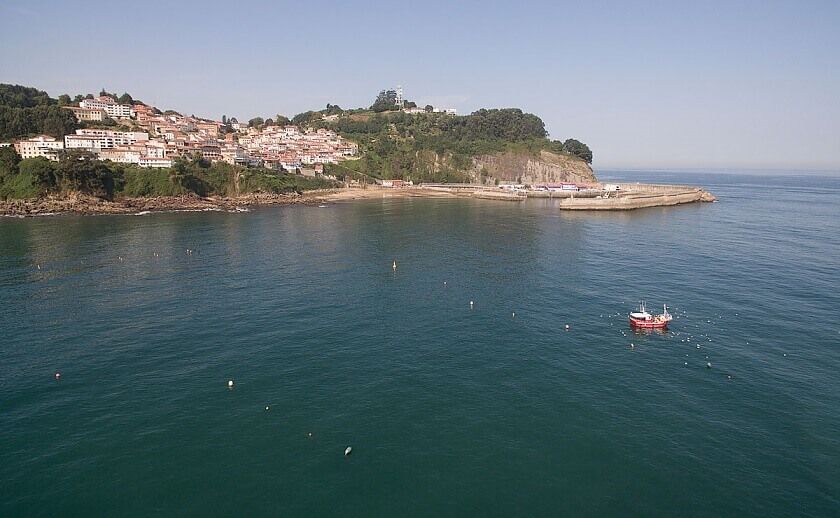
(96, 140)
(149, 161)
(42, 145)
(153, 148)
(114, 110)
(120, 155)
(119, 111)
(235, 155)
(290, 165)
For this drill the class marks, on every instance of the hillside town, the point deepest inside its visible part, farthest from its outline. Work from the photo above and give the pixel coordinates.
(148, 138)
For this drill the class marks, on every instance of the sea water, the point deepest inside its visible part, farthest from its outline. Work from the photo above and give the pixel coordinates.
(450, 408)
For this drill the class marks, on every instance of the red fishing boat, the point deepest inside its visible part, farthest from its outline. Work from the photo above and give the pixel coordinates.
(643, 319)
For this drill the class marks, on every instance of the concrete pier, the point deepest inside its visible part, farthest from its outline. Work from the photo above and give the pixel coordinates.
(629, 196)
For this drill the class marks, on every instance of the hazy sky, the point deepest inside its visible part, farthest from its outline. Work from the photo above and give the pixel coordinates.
(645, 84)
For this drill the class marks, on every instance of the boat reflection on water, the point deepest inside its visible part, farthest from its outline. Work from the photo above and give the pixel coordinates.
(648, 331)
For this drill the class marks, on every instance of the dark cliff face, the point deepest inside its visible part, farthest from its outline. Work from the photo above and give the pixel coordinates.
(545, 167)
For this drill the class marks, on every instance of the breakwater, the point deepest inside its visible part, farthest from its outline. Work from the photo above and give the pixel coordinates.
(639, 199)
(623, 196)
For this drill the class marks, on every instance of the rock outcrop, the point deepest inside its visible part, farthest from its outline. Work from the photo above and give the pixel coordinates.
(525, 168)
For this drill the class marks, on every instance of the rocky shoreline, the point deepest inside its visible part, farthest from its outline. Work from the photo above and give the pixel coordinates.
(82, 204)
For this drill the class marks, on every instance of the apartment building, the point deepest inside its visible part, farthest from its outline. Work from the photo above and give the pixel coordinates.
(42, 145)
(87, 114)
(95, 140)
(110, 106)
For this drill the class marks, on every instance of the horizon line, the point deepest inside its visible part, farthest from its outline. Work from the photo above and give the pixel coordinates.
(717, 169)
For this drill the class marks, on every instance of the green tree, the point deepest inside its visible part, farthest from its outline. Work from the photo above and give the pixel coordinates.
(386, 100)
(22, 122)
(256, 122)
(41, 171)
(17, 96)
(64, 100)
(80, 171)
(282, 120)
(9, 160)
(125, 98)
(304, 118)
(333, 109)
(578, 149)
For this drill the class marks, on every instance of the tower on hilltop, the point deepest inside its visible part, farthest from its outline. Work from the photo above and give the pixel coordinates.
(399, 100)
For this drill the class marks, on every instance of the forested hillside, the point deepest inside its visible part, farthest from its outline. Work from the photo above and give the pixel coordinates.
(26, 111)
(441, 147)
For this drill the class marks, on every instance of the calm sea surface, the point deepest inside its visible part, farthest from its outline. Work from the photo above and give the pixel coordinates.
(449, 410)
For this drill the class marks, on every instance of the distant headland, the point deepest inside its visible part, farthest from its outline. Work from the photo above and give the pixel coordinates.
(115, 154)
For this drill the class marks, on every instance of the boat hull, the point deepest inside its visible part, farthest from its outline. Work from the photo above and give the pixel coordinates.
(649, 324)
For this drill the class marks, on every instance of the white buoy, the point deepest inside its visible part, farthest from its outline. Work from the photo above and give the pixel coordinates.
(309, 434)
(632, 346)
(230, 383)
(394, 266)
(708, 365)
(471, 304)
(444, 283)
(513, 315)
(348, 450)
(39, 266)
(58, 375)
(686, 363)
(567, 327)
(266, 408)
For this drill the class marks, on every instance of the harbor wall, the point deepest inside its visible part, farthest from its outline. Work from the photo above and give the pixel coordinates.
(639, 200)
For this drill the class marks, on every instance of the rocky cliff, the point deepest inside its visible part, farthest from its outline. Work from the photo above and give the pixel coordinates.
(518, 167)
